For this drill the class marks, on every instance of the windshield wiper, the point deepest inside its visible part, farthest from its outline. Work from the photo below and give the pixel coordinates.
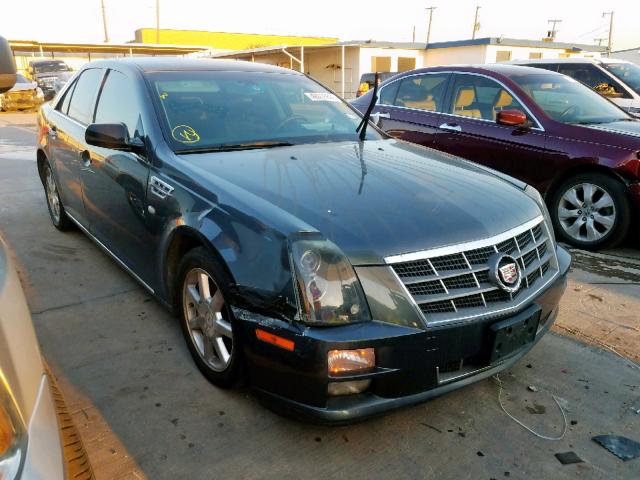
(236, 146)
(362, 128)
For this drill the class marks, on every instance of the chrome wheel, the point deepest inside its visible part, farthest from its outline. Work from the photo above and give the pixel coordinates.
(586, 212)
(206, 319)
(52, 196)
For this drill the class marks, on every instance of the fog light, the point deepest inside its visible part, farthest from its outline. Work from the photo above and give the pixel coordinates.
(348, 388)
(341, 361)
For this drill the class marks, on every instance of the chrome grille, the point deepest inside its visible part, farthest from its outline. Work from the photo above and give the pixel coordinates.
(454, 283)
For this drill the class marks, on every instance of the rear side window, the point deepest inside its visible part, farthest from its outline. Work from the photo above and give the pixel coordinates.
(423, 92)
(593, 77)
(388, 93)
(117, 103)
(84, 95)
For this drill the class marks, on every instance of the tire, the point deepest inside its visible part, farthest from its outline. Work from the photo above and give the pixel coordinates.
(57, 212)
(591, 211)
(208, 326)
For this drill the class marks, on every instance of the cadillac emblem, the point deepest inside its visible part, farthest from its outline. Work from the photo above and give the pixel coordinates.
(504, 271)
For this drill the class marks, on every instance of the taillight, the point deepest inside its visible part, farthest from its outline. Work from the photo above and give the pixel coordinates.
(13, 434)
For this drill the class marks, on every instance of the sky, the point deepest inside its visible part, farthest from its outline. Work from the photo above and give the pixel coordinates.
(382, 20)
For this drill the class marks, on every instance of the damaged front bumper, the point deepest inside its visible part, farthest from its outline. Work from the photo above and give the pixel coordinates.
(412, 365)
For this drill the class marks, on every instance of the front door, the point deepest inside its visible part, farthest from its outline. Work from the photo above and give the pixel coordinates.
(470, 129)
(115, 182)
(413, 105)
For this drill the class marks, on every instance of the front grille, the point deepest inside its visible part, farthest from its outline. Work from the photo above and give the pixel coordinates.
(458, 285)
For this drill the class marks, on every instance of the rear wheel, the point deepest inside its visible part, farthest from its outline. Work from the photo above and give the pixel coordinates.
(57, 213)
(591, 211)
(206, 319)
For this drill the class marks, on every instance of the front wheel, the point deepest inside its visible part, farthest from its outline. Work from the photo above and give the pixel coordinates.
(591, 211)
(206, 319)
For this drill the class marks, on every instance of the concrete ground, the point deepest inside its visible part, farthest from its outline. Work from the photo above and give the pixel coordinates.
(144, 410)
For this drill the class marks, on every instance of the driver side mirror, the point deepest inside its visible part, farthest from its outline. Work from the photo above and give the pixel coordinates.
(7, 67)
(512, 118)
(112, 135)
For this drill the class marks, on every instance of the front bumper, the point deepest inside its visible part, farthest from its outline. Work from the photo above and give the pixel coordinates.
(409, 361)
(9, 103)
(44, 458)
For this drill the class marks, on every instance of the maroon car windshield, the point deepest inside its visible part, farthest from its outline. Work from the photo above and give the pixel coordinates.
(567, 100)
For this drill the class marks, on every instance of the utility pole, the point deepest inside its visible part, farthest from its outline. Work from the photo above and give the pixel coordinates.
(476, 24)
(553, 31)
(157, 21)
(413, 36)
(609, 44)
(599, 40)
(431, 9)
(104, 22)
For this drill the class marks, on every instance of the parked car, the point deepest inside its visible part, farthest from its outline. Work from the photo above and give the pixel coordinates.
(617, 80)
(50, 75)
(346, 277)
(30, 446)
(544, 128)
(23, 96)
(367, 79)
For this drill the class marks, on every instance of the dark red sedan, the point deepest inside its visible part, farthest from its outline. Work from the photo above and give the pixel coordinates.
(579, 149)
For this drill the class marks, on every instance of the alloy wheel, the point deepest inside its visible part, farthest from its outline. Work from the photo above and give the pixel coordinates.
(586, 212)
(52, 196)
(207, 319)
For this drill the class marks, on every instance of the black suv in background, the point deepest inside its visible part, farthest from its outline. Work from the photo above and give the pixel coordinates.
(50, 75)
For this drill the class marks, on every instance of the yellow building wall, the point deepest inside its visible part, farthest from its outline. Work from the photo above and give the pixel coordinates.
(223, 40)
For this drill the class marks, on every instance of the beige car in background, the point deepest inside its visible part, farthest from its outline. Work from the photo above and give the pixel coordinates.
(30, 442)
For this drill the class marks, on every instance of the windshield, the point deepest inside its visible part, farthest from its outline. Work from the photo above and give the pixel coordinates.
(208, 110)
(627, 72)
(51, 67)
(568, 101)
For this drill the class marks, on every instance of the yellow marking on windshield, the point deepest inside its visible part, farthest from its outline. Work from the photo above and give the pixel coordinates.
(164, 95)
(185, 134)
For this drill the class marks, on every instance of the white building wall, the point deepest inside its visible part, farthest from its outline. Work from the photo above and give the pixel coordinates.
(523, 53)
(455, 55)
(325, 65)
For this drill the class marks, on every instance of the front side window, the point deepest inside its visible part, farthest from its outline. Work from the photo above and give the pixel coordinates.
(627, 72)
(423, 92)
(482, 98)
(202, 110)
(118, 105)
(566, 100)
(593, 77)
(84, 95)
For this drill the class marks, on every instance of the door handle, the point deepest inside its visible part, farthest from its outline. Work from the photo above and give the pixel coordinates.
(453, 127)
(85, 157)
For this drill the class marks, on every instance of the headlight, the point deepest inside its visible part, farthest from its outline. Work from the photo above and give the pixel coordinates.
(13, 434)
(536, 197)
(329, 292)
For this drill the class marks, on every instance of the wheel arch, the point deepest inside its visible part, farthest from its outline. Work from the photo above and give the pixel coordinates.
(577, 170)
(41, 158)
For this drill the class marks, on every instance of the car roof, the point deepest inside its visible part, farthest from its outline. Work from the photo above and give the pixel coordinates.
(170, 63)
(504, 69)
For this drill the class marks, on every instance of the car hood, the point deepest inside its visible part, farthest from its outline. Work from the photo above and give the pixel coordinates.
(631, 128)
(375, 199)
(63, 75)
(21, 87)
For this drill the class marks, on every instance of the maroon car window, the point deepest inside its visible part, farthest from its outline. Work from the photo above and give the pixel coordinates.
(84, 94)
(422, 92)
(388, 93)
(479, 97)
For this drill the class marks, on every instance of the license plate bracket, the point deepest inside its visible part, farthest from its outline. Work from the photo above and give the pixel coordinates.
(507, 336)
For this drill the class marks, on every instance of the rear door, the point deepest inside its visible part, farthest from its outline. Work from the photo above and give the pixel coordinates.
(68, 127)
(413, 104)
(470, 129)
(115, 182)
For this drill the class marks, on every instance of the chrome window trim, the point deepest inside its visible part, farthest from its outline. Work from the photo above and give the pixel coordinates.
(110, 253)
(460, 248)
(463, 247)
(538, 126)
